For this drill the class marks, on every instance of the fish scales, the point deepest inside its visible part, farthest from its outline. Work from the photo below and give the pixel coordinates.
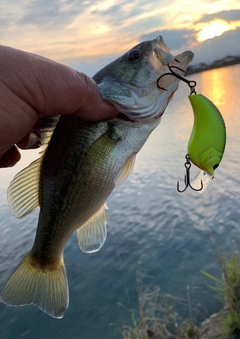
(86, 178)
(80, 166)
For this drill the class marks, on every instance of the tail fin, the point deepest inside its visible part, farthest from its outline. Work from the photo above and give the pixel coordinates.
(45, 288)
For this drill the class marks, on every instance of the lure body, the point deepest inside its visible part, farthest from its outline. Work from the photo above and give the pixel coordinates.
(208, 138)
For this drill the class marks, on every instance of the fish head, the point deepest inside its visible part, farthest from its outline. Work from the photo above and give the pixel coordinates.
(136, 83)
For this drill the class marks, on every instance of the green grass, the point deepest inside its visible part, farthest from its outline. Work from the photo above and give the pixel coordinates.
(228, 290)
(156, 317)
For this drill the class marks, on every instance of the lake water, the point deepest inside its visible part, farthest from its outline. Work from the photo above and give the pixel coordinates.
(155, 234)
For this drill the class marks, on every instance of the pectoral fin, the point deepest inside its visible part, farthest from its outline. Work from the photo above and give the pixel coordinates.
(125, 171)
(92, 235)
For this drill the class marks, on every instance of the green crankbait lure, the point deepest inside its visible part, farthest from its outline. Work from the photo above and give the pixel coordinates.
(208, 138)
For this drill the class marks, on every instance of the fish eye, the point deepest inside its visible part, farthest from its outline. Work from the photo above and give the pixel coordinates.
(134, 55)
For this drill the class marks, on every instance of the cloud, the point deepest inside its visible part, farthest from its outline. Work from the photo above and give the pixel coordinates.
(119, 12)
(227, 44)
(233, 15)
(72, 29)
(206, 52)
(62, 29)
(47, 13)
(175, 39)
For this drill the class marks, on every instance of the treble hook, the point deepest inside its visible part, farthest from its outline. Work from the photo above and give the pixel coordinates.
(191, 83)
(187, 179)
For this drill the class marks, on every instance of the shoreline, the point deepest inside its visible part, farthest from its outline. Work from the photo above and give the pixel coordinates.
(228, 61)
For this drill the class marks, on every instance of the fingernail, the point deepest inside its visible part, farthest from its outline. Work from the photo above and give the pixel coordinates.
(33, 141)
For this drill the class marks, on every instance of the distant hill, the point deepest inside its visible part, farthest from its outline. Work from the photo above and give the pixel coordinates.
(227, 61)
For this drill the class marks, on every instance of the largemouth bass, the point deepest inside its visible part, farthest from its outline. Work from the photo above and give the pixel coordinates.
(81, 165)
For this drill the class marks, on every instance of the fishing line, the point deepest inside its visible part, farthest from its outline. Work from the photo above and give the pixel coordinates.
(191, 83)
(226, 188)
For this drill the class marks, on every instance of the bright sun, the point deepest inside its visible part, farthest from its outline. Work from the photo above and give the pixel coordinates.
(213, 28)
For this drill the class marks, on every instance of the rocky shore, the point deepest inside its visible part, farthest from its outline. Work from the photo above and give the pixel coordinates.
(211, 328)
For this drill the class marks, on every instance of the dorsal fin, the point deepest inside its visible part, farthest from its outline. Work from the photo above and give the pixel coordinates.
(46, 127)
(23, 191)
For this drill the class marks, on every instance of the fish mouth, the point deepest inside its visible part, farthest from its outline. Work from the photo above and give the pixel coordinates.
(141, 89)
(162, 56)
(176, 69)
(166, 58)
(163, 84)
(124, 117)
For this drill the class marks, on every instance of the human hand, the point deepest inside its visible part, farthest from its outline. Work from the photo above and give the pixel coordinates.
(32, 87)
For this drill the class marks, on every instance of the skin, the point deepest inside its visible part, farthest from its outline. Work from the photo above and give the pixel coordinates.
(32, 87)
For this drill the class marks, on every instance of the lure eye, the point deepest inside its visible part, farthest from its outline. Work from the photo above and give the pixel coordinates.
(134, 55)
(215, 166)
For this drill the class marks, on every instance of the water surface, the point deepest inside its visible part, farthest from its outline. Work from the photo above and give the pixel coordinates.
(154, 233)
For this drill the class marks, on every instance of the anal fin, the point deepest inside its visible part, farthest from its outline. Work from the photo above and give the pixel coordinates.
(92, 235)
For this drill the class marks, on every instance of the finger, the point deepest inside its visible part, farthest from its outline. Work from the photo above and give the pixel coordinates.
(91, 106)
(31, 140)
(10, 158)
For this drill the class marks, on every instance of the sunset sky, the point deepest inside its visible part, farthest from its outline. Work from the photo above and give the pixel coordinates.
(87, 34)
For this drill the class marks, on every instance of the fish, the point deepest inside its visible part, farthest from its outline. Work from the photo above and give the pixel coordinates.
(81, 163)
(207, 140)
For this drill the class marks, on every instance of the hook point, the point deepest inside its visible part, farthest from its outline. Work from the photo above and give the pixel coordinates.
(187, 179)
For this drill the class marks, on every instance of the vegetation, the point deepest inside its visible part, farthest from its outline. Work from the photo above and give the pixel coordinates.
(228, 288)
(156, 317)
